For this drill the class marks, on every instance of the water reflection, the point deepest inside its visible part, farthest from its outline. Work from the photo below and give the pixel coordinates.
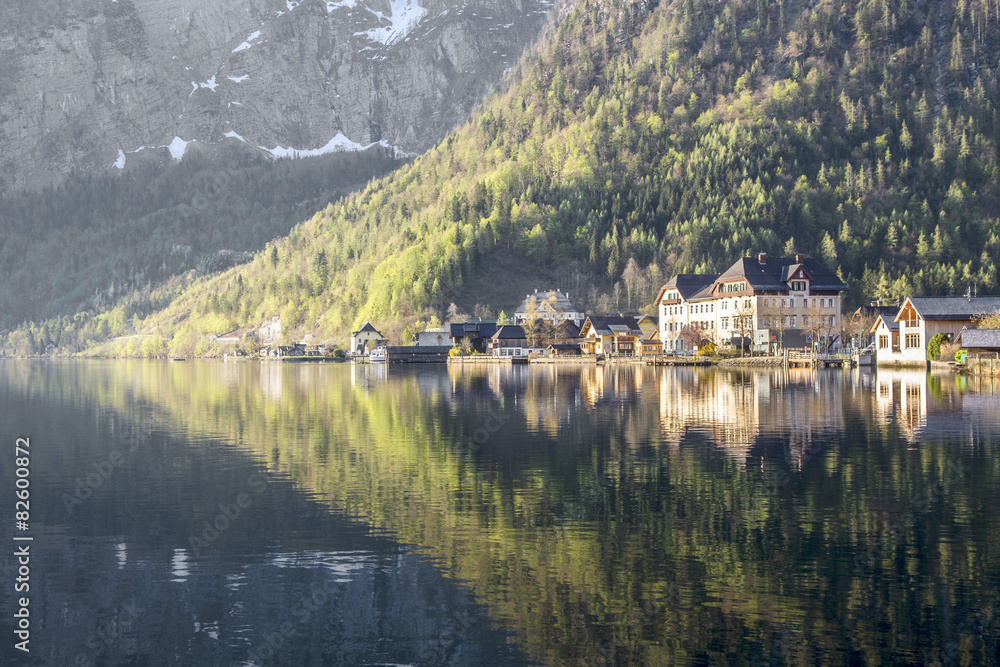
(604, 515)
(924, 405)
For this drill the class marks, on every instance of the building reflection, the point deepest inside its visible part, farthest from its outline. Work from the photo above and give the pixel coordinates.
(925, 405)
(734, 410)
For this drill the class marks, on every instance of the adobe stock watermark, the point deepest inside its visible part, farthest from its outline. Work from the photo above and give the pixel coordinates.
(102, 470)
(649, 613)
(772, 481)
(109, 633)
(228, 514)
(303, 610)
(436, 653)
(481, 435)
(921, 503)
(982, 625)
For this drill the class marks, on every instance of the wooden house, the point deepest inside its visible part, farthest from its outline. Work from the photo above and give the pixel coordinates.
(921, 318)
(613, 336)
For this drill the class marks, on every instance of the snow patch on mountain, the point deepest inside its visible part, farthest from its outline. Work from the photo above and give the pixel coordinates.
(177, 148)
(248, 43)
(338, 143)
(340, 4)
(210, 84)
(404, 16)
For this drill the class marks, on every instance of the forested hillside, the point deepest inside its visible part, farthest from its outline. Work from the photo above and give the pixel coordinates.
(93, 239)
(641, 139)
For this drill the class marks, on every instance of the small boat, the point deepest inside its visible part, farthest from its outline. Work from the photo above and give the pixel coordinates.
(377, 356)
(178, 359)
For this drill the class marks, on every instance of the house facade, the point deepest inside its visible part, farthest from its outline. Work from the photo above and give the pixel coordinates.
(885, 330)
(478, 333)
(553, 306)
(649, 343)
(434, 337)
(784, 301)
(920, 318)
(365, 339)
(612, 336)
(980, 343)
(510, 340)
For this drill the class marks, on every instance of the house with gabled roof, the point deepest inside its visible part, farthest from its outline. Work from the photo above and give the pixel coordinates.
(885, 329)
(920, 318)
(510, 340)
(685, 301)
(476, 331)
(365, 338)
(553, 306)
(775, 298)
(610, 335)
(980, 343)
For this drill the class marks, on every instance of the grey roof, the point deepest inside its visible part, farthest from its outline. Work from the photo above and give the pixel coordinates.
(481, 328)
(773, 274)
(509, 331)
(654, 318)
(438, 350)
(954, 308)
(885, 313)
(608, 326)
(563, 304)
(689, 284)
(367, 326)
(989, 338)
(568, 329)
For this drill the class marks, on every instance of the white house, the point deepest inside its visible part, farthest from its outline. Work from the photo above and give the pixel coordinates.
(365, 338)
(780, 300)
(553, 306)
(921, 317)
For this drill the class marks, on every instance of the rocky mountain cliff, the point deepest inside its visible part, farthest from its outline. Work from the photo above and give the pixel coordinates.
(95, 85)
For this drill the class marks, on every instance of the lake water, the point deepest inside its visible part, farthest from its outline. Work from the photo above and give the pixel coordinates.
(211, 513)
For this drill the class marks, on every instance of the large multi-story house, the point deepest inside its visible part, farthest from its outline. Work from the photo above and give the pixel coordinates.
(904, 339)
(778, 302)
(553, 306)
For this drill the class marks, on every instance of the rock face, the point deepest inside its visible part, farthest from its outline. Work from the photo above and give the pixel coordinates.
(100, 84)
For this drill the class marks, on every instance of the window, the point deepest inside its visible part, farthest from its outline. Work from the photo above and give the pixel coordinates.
(725, 322)
(791, 303)
(912, 340)
(793, 321)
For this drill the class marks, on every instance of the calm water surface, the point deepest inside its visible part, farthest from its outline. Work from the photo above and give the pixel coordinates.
(235, 514)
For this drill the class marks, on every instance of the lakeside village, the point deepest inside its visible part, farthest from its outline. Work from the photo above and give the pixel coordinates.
(761, 310)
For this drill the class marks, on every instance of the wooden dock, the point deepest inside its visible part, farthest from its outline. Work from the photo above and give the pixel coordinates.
(811, 360)
(665, 360)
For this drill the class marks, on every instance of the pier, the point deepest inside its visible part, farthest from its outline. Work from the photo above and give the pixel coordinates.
(795, 358)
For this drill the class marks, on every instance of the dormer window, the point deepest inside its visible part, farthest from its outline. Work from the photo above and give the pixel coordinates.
(798, 285)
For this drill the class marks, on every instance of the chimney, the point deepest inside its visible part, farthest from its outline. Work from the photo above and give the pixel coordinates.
(536, 290)
(799, 259)
(762, 257)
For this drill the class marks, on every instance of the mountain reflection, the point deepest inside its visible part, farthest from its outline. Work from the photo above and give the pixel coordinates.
(604, 515)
